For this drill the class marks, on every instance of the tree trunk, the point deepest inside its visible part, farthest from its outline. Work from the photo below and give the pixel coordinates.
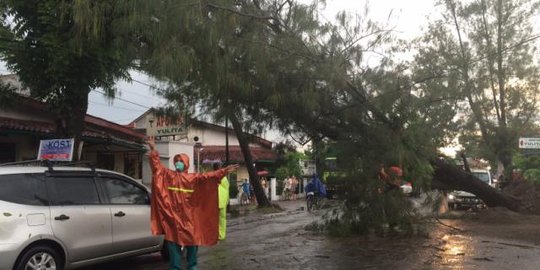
(71, 121)
(451, 177)
(262, 200)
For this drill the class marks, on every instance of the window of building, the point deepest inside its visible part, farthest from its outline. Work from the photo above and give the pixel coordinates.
(105, 160)
(133, 164)
(7, 152)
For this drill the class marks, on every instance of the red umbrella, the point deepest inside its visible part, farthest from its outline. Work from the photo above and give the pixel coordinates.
(262, 173)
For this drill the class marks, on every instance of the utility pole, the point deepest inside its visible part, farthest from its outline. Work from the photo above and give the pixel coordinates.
(226, 140)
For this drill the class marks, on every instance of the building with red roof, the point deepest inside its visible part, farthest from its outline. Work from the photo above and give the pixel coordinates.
(205, 144)
(25, 121)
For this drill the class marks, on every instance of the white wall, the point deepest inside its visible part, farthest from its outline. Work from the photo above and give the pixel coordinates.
(242, 173)
(209, 136)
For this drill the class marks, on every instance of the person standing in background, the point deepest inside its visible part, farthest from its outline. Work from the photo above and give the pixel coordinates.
(264, 184)
(223, 194)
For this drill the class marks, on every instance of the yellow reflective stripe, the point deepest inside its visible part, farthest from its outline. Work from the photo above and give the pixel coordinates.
(180, 189)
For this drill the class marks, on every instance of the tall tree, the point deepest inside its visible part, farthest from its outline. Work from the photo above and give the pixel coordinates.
(232, 56)
(482, 51)
(61, 50)
(275, 63)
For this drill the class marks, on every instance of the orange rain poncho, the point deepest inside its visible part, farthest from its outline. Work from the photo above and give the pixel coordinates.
(184, 205)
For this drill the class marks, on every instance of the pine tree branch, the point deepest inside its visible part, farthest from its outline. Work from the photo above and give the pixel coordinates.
(240, 13)
(363, 100)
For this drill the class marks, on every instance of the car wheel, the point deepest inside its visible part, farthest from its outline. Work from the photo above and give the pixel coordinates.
(40, 258)
(309, 203)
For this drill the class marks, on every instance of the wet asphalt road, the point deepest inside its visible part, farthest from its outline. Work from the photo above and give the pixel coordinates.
(278, 241)
(465, 250)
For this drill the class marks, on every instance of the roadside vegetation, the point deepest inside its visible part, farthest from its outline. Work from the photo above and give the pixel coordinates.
(275, 64)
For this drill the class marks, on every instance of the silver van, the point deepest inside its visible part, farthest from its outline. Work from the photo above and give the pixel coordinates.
(62, 218)
(459, 199)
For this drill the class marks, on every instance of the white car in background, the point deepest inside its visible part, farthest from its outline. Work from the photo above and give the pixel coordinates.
(406, 188)
(463, 199)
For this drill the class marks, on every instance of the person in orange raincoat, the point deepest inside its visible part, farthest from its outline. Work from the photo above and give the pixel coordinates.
(184, 206)
(392, 179)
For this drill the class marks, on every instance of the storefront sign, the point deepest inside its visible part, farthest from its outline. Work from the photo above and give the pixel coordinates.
(165, 126)
(56, 150)
(529, 143)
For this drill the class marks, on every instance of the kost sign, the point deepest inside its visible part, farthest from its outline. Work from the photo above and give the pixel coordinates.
(56, 150)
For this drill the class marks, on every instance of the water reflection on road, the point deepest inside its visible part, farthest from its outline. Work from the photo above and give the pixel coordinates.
(466, 250)
(454, 250)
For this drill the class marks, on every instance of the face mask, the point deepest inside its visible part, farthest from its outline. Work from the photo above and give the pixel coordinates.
(179, 166)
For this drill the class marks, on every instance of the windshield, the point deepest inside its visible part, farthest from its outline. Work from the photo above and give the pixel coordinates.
(482, 176)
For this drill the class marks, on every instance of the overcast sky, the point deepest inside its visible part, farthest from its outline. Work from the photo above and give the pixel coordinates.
(135, 98)
(407, 19)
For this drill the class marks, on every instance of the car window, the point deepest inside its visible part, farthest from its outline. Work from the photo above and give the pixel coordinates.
(482, 176)
(26, 189)
(120, 191)
(74, 190)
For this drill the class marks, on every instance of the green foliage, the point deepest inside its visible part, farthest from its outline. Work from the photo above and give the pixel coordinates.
(292, 163)
(368, 210)
(532, 176)
(61, 50)
(481, 56)
(525, 163)
(273, 63)
(281, 174)
(7, 95)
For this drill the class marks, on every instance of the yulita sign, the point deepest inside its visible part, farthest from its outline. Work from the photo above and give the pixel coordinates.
(165, 126)
(529, 143)
(56, 150)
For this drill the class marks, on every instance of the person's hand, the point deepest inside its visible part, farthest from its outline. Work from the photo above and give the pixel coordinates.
(231, 168)
(150, 140)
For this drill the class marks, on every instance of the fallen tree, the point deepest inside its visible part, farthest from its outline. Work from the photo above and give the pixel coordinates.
(450, 177)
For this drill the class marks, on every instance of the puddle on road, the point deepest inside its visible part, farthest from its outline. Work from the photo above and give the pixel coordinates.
(454, 250)
(468, 250)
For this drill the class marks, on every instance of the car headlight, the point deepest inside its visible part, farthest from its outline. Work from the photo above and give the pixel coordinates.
(451, 196)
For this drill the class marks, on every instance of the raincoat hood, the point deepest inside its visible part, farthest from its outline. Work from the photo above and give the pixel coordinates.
(184, 158)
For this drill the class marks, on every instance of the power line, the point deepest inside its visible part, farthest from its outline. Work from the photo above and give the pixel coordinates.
(137, 94)
(116, 107)
(146, 84)
(149, 85)
(125, 100)
(123, 119)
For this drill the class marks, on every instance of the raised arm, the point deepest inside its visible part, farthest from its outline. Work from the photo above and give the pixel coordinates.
(215, 175)
(155, 163)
